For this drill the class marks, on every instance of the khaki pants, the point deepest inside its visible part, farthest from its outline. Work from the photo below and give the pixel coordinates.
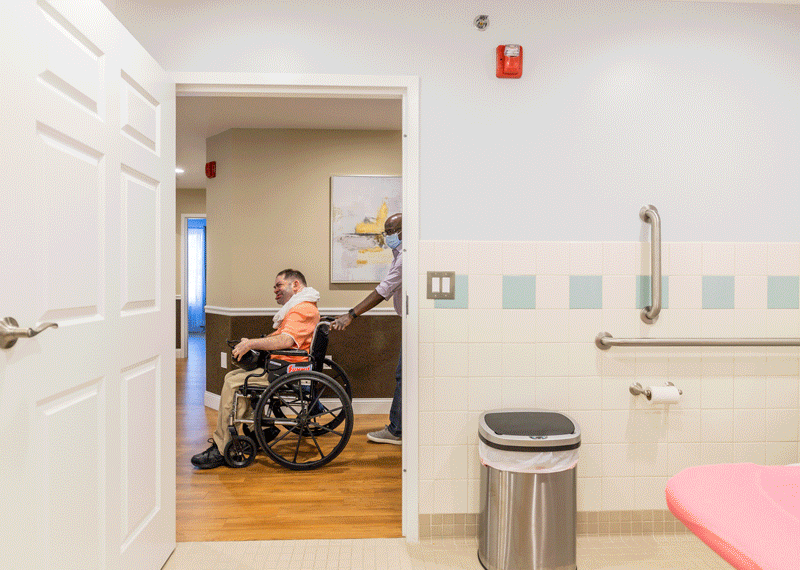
(233, 381)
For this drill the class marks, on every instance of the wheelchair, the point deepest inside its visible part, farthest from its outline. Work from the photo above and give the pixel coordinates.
(302, 418)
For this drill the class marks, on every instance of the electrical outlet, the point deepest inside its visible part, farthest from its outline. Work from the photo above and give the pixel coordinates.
(223, 359)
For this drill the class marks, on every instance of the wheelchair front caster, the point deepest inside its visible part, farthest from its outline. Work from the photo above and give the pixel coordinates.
(240, 451)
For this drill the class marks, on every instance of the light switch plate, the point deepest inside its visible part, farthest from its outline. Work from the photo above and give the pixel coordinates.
(441, 284)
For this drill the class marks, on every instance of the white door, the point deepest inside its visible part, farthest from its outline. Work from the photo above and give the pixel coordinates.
(87, 410)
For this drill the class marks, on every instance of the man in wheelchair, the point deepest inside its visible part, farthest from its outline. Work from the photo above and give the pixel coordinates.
(294, 324)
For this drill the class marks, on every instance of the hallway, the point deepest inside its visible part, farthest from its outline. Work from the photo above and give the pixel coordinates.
(358, 495)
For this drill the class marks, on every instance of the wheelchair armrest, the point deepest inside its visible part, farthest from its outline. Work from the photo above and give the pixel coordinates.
(290, 352)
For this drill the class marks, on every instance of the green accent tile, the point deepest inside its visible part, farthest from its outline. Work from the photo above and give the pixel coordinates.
(718, 291)
(585, 292)
(519, 291)
(783, 292)
(643, 291)
(462, 295)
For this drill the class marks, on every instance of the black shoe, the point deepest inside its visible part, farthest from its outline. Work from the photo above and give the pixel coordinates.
(210, 458)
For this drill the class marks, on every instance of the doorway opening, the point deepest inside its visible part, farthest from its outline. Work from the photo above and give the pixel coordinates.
(404, 89)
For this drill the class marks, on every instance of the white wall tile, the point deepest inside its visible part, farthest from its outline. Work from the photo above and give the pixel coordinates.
(519, 392)
(552, 359)
(586, 258)
(552, 291)
(717, 392)
(751, 452)
(485, 292)
(446, 393)
(451, 496)
(452, 256)
(618, 460)
(484, 326)
(517, 325)
(426, 359)
(585, 393)
(450, 462)
(685, 292)
(520, 360)
(783, 453)
(451, 430)
(619, 292)
(552, 258)
(426, 325)
(484, 360)
(781, 392)
(590, 463)
(584, 324)
(750, 292)
(622, 258)
(519, 258)
(616, 393)
(782, 425)
(485, 258)
(552, 393)
(650, 494)
(615, 426)
(485, 394)
(685, 258)
(752, 259)
(783, 259)
(783, 323)
(589, 493)
(749, 425)
(718, 323)
(451, 325)
(716, 426)
(681, 456)
(426, 461)
(426, 254)
(617, 495)
(684, 426)
(590, 423)
(719, 259)
(552, 325)
(449, 360)
(749, 392)
(426, 428)
(584, 359)
(717, 453)
(426, 387)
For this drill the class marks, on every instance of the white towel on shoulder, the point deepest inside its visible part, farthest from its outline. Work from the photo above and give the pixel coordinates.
(305, 294)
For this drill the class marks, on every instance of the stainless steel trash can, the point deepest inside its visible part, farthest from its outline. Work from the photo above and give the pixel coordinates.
(528, 490)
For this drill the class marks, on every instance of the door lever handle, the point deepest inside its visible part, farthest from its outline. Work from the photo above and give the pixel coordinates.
(10, 331)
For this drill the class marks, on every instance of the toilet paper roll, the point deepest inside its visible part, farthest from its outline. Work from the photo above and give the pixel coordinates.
(663, 395)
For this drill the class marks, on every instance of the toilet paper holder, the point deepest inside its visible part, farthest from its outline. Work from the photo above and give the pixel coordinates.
(637, 389)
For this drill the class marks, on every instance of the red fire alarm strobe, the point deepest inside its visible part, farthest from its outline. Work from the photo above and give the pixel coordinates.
(509, 61)
(211, 169)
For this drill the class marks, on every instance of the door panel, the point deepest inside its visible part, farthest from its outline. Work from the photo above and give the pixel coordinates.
(88, 409)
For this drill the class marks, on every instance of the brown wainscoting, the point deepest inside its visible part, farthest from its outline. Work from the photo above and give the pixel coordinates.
(177, 323)
(368, 350)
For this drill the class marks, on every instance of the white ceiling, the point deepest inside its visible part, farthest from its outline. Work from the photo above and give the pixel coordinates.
(201, 117)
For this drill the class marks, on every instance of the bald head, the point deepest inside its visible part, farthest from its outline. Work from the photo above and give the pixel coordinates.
(394, 225)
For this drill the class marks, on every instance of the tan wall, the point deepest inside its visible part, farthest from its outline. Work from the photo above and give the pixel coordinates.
(187, 201)
(269, 208)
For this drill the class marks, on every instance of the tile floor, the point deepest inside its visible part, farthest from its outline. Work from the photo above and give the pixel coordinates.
(677, 552)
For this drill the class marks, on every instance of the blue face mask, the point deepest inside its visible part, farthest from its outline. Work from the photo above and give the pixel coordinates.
(393, 240)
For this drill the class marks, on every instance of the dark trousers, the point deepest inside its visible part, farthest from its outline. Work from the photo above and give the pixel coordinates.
(396, 411)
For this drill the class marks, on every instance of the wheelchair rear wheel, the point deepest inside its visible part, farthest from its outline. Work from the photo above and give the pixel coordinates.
(316, 431)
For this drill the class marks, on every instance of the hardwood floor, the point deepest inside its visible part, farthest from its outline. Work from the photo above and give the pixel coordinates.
(357, 495)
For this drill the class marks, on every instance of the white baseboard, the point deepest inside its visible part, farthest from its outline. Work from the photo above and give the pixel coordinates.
(360, 405)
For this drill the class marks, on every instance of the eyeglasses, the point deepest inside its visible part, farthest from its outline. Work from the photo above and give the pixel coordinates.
(391, 232)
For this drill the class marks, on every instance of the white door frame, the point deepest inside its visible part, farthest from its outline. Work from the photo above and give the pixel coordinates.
(405, 88)
(183, 351)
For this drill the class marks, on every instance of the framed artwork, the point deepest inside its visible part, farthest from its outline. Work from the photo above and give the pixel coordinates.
(359, 208)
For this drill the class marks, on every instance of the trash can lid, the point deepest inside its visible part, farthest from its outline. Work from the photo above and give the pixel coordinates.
(529, 430)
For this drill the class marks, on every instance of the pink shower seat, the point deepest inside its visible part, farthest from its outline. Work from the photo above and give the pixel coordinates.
(748, 514)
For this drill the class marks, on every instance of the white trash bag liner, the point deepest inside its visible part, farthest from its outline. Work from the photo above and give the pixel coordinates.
(527, 461)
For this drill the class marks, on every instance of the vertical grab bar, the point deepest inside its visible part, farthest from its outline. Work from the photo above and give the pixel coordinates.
(650, 215)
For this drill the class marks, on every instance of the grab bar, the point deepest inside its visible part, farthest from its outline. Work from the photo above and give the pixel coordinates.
(604, 341)
(650, 215)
